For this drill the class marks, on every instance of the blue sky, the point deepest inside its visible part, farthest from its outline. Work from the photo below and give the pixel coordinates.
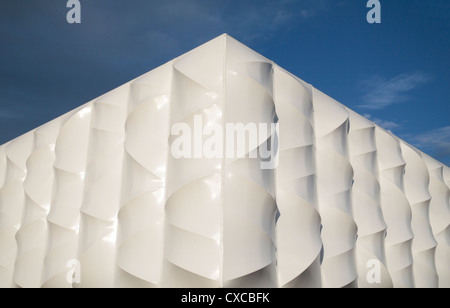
(396, 73)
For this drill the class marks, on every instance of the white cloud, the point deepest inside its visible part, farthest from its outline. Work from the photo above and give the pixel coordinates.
(282, 17)
(388, 125)
(382, 92)
(436, 142)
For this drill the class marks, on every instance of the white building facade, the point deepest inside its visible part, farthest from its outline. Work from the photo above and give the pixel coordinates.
(97, 198)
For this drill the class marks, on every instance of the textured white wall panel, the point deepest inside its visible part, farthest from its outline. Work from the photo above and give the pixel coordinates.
(396, 210)
(334, 181)
(366, 199)
(249, 255)
(141, 215)
(97, 198)
(416, 182)
(63, 219)
(298, 227)
(38, 185)
(440, 218)
(12, 204)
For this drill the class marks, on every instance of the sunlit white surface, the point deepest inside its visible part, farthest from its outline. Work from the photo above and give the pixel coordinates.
(99, 185)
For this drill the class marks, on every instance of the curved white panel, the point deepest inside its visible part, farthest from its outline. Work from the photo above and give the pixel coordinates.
(334, 184)
(102, 187)
(12, 203)
(64, 214)
(396, 210)
(141, 216)
(440, 218)
(424, 244)
(38, 185)
(193, 241)
(298, 227)
(447, 176)
(366, 201)
(249, 206)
